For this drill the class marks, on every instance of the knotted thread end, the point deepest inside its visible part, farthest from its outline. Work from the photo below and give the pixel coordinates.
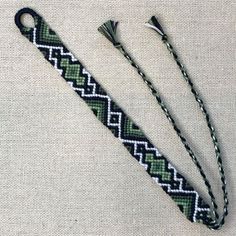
(155, 25)
(108, 29)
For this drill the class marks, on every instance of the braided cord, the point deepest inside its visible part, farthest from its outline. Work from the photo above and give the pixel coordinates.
(211, 129)
(109, 31)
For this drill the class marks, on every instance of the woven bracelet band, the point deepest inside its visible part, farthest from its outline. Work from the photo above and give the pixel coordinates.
(112, 116)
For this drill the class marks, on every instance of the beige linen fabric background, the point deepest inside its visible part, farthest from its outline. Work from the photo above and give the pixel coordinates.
(61, 171)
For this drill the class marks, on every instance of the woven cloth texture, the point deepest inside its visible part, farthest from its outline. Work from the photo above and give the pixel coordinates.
(61, 171)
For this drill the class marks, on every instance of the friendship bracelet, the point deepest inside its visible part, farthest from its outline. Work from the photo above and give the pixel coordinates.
(111, 115)
(108, 29)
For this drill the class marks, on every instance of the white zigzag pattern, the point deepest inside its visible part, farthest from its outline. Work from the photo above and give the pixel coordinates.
(181, 190)
(50, 52)
(109, 114)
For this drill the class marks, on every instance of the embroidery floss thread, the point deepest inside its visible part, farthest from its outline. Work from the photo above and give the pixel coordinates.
(108, 29)
(111, 115)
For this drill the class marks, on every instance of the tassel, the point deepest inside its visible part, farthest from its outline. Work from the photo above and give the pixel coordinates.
(108, 29)
(154, 24)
